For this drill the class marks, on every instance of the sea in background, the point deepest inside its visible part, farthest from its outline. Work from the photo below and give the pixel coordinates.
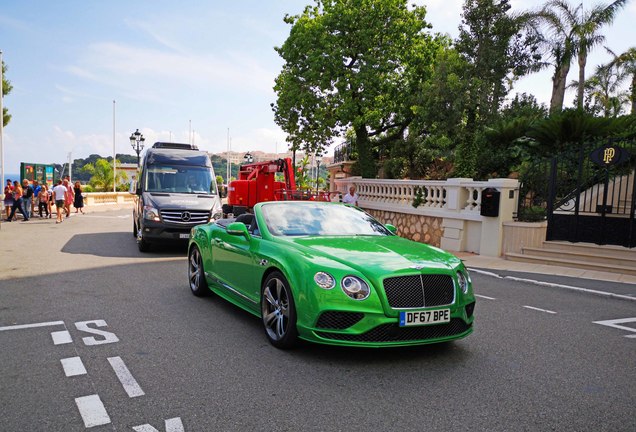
(13, 177)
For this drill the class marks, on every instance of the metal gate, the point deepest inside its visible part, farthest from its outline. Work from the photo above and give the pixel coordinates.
(592, 195)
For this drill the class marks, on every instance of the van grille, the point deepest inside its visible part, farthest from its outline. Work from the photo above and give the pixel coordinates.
(185, 217)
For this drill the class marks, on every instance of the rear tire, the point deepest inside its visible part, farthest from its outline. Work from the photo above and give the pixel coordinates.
(278, 312)
(196, 273)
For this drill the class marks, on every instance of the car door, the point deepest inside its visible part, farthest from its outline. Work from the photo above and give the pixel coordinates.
(235, 265)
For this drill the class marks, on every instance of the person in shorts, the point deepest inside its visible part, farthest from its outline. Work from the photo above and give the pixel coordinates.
(59, 194)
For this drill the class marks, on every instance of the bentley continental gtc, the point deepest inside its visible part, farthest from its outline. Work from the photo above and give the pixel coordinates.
(330, 273)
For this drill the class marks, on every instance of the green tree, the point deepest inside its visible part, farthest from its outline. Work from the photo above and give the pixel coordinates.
(626, 63)
(352, 64)
(102, 174)
(499, 47)
(573, 31)
(6, 89)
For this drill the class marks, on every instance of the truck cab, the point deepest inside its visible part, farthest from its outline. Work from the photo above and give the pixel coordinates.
(175, 190)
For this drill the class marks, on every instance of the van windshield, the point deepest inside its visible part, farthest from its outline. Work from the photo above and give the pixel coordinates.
(180, 179)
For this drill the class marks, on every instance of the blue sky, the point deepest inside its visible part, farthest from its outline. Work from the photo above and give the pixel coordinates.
(167, 65)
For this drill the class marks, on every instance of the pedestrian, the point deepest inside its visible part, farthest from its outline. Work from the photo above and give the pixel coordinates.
(69, 196)
(36, 195)
(27, 198)
(17, 202)
(60, 193)
(78, 200)
(8, 197)
(49, 201)
(43, 201)
(351, 197)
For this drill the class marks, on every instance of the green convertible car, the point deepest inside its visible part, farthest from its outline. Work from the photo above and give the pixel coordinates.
(330, 273)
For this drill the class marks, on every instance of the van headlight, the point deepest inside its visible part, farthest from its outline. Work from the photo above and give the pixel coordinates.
(355, 287)
(151, 213)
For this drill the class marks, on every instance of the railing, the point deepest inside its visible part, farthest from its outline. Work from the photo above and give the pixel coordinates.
(344, 152)
(434, 196)
(104, 198)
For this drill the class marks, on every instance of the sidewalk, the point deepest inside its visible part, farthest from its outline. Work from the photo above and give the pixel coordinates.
(494, 264)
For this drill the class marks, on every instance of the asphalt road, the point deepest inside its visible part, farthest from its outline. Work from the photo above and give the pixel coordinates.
(124, 346)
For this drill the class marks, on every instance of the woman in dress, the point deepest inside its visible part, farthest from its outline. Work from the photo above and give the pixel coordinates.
(8, 197)
(78, 201)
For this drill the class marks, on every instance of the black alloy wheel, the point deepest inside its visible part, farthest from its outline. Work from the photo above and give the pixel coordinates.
(196, 274)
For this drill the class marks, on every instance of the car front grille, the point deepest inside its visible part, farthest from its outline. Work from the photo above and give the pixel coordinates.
(417, 291)
(185, 217)
(338, 320)
(395, 333)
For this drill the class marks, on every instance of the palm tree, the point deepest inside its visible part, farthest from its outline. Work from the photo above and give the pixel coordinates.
(603, 93)
(627, 63)
(574, 32)
(102, 174)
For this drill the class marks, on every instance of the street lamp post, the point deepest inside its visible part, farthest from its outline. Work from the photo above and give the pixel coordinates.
(248, 158)
(137, 143)
(317, 170)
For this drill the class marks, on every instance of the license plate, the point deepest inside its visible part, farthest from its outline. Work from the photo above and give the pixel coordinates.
(184, 236)
(416, 318)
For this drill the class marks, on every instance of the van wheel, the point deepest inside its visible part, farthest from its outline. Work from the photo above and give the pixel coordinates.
(142, 244)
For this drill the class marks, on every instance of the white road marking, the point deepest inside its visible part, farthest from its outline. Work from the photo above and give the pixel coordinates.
(126, 379)
(555, 285)
(172, 425)
(108, 336)
(540, 310)
(616, 324)
(487, 273)
(92, 411)
(27, 326)
(73, 366)
(61, 337)
(485, 297)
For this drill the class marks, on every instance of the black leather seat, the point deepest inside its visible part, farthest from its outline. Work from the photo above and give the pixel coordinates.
(246, 218)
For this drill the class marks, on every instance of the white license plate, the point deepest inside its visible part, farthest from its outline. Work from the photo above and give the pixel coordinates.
(424, 317)
(184, 236)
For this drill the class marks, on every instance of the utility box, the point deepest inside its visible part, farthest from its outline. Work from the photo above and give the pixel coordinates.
(490, 198)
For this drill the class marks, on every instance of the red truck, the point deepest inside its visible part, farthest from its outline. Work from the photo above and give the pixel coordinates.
(257, 183)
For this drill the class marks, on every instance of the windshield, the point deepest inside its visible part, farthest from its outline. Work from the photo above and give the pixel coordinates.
(180, 179)
(319, 219)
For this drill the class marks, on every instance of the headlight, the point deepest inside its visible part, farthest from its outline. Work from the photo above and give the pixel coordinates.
(151, 213)
(464, 281)
(324, 280)
(355, 287)
(216, 216)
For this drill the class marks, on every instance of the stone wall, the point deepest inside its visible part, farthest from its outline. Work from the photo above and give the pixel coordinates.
(423, 229)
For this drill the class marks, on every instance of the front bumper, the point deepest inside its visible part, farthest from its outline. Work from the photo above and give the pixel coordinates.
(378, 330)
(158, 232)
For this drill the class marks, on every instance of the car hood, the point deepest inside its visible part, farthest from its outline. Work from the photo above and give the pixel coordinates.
(180, 201)
(378, 255)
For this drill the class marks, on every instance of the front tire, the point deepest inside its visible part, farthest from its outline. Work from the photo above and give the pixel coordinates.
(142, 243)
(196, 274)
(278, 312)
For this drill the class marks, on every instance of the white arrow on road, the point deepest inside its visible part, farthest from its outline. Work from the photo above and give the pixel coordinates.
(616, 324)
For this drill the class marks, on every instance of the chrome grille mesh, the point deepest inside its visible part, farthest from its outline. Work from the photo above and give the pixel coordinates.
(416, 291)
(193, 217)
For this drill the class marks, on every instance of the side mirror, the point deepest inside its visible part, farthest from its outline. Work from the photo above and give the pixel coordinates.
(238, 229)
(391, 228)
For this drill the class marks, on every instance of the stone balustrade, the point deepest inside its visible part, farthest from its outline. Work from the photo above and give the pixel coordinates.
(102, 198)
(449, 215)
